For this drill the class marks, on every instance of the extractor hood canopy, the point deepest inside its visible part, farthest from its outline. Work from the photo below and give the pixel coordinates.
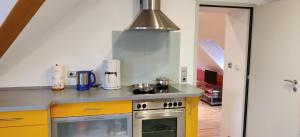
(152, 18)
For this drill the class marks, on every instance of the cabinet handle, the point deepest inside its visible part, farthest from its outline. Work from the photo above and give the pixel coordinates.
(92, 109)
(159, 114)
(11, 119)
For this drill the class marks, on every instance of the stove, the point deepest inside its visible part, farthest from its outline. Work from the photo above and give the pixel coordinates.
(156, 90)
(159, 117)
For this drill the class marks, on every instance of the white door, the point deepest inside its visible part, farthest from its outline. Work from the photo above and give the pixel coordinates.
(273, 106)
(236, 52)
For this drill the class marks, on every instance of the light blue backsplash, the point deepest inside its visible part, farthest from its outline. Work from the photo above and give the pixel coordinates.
(147, 55)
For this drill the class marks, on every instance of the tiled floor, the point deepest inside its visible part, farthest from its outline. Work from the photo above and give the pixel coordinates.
(209, 120)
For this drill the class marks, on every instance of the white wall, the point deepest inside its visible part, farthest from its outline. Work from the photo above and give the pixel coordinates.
(236, 2)
(80, 39)
(183, 13)
(212, 27)
(79, 34)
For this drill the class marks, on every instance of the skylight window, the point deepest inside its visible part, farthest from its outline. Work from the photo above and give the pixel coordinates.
(214, 51)
(5, 8)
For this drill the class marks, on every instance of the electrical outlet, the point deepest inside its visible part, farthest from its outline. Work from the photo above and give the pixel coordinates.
(72, 74)
(183, 74)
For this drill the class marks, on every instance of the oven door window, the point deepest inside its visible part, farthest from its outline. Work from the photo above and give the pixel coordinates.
(166, 127)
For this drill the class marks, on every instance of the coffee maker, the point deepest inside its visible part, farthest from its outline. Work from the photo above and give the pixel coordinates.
(111, 78)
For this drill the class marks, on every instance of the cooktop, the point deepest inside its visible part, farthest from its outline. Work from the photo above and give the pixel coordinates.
(156, 90)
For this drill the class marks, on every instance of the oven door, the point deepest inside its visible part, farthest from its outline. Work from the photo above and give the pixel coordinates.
(159, 123)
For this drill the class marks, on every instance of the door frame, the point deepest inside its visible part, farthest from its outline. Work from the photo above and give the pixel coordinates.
(251, 10)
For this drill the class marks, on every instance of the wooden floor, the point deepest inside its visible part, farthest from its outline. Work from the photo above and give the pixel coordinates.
(209, 120)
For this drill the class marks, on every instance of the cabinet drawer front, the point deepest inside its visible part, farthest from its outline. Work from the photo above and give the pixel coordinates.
(22, 118)
(91, 109)
(26, 131)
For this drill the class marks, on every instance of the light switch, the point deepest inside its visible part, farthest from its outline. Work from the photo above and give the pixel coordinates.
(229, 65)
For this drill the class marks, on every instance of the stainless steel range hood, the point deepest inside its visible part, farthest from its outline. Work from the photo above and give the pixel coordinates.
(152, 18)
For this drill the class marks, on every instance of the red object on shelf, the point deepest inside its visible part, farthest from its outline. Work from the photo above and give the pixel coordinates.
(212, 93)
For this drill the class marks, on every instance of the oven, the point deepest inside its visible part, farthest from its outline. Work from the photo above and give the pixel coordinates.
(159, 118)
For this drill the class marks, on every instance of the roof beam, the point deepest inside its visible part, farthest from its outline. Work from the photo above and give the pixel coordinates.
(16, 21)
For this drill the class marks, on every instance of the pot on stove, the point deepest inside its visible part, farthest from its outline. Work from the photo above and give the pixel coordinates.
(143, 88)
(162, 82)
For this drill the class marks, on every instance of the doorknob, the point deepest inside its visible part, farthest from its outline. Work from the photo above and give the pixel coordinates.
(293, 83)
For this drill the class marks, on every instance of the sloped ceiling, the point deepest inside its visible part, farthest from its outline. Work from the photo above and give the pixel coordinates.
(51, 13)
(214, 51)
(5, 8)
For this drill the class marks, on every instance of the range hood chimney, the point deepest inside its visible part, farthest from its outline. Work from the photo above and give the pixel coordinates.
(152, 18)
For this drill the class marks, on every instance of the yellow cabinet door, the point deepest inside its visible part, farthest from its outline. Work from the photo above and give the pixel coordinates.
(91, 109)
(25, 131)
(23, 118)
(191, 117)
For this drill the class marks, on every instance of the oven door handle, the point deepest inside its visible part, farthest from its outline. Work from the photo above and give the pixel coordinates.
(160, 114)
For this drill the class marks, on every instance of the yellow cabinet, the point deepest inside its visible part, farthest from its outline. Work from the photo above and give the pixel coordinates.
(191, 117)
(91, 109)
(25, 131)
(22, 118)
(24, 124)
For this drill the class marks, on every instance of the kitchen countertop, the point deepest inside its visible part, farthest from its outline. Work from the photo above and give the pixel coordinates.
(17, 100)
(40, 99)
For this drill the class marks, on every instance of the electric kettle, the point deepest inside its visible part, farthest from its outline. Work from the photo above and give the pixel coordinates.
(85, 80)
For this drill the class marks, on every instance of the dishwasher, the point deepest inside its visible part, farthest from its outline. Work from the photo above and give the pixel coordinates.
(119, 125)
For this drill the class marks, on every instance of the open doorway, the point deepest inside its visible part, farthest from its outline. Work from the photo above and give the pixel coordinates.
(222, 60)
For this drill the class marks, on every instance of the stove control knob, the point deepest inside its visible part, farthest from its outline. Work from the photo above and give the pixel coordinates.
(175, 104)
(139, 106)
(170, 104)
(144, 105)
(179, 104)
(165, 104)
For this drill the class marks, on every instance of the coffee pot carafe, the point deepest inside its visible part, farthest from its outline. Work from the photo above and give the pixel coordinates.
(111, 74)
